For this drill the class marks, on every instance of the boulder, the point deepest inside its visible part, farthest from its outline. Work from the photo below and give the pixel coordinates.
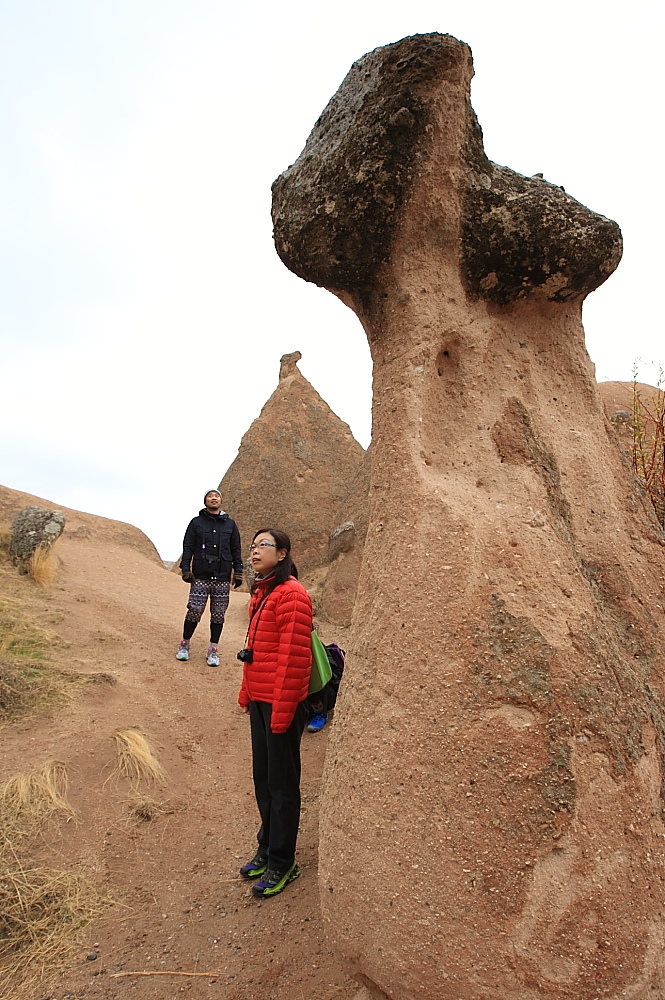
(492, 809)
(294, 467)
(34, 528)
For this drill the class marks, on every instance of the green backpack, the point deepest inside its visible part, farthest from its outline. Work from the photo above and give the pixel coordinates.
(321, 669)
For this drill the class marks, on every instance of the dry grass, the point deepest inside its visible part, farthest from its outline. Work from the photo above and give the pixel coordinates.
(5, 539)
(42, 909)
(28, 681)
(28, 801)
(145, 810)
(648, 426)
(136, 759)
(30, 688)
(41, 565)
(41, 912)
(19, 636)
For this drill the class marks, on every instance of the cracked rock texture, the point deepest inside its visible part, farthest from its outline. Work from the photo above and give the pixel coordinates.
(492, 814)
(34, 528)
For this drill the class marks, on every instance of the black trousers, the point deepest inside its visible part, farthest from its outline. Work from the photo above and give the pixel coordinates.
(276, 771)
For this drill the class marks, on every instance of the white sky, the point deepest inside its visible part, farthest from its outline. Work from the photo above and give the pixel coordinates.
(143, 309)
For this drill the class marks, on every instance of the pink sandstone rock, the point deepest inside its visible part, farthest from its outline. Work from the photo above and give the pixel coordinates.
(492, 814)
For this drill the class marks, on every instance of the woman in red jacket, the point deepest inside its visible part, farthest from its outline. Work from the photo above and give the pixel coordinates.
(277, 663)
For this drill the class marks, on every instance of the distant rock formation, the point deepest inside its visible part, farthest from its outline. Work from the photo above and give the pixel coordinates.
(492, 811)
(34, 528)
(294, 467)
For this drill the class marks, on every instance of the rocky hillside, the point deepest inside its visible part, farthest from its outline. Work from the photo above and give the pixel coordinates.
(79, 526)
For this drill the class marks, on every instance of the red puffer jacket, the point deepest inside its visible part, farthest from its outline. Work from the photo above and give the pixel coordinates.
(280, 636)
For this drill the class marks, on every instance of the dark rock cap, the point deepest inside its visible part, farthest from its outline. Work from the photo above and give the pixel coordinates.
(337, 209)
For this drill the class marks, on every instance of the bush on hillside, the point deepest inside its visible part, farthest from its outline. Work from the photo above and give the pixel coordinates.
(648, 452)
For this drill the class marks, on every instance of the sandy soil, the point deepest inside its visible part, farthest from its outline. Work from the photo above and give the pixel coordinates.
(180, 905)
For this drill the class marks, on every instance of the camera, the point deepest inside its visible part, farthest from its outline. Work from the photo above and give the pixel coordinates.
(245, 655)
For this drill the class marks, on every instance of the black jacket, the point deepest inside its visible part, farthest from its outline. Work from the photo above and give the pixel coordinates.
(212, 541)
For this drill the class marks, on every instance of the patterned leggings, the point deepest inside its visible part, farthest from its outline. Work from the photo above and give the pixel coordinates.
(201, 590)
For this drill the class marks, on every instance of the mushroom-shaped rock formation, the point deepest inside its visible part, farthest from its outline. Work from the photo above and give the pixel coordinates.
(294, 466)
(492, 813)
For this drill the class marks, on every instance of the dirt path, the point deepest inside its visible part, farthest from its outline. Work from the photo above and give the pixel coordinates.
(180, 905)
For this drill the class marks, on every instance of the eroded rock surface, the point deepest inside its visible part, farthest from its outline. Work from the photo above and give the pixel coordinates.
(492, 816)
(294, 467)
(345, 548)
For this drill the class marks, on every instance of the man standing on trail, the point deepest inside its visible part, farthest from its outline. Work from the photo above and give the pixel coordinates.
(210, 552)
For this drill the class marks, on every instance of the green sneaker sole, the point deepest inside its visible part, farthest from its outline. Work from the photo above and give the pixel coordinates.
(255, 872)
(290, 876)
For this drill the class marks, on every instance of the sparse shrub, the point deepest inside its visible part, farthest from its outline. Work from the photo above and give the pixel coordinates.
(648, 452)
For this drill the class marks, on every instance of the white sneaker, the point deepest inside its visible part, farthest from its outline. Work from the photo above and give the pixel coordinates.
(183, 650)
(212, 656)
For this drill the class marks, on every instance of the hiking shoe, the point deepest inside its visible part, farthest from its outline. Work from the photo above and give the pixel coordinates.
(317, 722)
(183, 650)
(255, 867)
(273, 882)
(212, 656)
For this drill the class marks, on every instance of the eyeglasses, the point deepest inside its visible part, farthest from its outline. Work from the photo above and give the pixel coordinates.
(262, 545)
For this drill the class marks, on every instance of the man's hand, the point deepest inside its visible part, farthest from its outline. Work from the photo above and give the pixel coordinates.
(187, 576)
(237, 580)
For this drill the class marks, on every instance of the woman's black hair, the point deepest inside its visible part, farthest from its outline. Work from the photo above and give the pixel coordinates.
(285, 568)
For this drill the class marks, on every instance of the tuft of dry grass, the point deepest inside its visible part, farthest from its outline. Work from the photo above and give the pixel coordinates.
(41, 912)
(41, 565)
(136, 759)
(29, 800)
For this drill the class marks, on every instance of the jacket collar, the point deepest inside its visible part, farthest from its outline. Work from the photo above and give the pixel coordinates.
(222, 516)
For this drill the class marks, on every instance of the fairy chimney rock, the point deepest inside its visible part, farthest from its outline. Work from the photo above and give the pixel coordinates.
(295, 465)
(492, 811)
(288, 364)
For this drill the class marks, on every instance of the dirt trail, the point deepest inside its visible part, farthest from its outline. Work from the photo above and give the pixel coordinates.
(181, 906)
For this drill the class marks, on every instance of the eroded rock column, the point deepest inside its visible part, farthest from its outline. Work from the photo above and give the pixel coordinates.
(492, 816)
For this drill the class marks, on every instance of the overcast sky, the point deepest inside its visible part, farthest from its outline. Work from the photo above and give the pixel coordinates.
(143, 309)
